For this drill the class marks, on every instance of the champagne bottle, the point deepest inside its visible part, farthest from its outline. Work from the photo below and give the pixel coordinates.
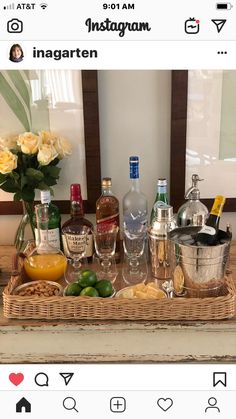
(208, 233)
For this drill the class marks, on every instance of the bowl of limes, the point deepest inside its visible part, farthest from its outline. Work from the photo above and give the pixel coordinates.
(88, 285)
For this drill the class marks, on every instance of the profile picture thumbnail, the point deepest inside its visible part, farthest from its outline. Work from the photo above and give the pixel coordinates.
(16, 53)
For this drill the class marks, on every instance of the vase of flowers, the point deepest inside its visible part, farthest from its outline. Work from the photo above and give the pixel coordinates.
(28, 162)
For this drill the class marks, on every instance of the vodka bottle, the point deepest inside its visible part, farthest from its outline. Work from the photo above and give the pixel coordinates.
(135, 211)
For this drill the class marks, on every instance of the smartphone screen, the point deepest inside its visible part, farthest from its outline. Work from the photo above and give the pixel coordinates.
(117, 201)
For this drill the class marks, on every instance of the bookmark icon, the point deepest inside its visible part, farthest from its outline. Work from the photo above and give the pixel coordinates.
(67, 376)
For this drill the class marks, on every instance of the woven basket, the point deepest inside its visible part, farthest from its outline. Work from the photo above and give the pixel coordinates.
(89, 308)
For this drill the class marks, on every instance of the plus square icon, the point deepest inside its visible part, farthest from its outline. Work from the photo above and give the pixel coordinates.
(117, 404)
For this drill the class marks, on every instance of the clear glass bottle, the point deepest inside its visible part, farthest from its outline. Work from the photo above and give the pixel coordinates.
(135, 209)
(107, 212)
(54, 224)
(77, 221)
(161, 197)
(45, 262)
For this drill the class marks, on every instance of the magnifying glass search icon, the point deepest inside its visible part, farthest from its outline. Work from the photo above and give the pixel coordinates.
(69, 403)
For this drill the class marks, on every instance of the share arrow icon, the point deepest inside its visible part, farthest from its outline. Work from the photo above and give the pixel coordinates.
(219, 23)
(67, 376)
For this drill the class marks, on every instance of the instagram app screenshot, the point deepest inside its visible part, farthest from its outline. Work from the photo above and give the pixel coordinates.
(117, 209)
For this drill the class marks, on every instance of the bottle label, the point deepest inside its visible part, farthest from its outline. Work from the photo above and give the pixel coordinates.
(159, 204)
(208, 230)
(218, 206)
(162, 189)
(105, 223)
(76, 244)
(53, 237)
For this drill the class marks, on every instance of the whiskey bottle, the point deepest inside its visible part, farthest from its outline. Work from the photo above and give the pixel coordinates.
(107, 212)
(161, 197)
(208, 233)
(77, 221)
(54, 221)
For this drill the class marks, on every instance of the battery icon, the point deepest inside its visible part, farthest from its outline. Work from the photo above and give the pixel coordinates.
(224, 6)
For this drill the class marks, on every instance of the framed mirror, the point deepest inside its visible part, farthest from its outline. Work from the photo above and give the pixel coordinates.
(63, 101)
(203, 132)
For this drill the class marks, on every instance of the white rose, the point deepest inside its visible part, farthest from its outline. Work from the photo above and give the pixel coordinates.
(9, 143)
(63, 147)
(46, 154)
(28, 142)
(47, 137)
(8, 161)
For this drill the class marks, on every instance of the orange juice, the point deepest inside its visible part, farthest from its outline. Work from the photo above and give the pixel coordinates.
(46, 267)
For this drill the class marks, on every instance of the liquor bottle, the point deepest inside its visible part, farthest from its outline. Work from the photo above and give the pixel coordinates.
(208, 233)
(77, 221)
(54, 224)
(107, 212)
(161, 197)
(135, 211)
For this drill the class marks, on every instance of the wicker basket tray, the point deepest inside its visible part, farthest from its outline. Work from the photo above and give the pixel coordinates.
(213, 308)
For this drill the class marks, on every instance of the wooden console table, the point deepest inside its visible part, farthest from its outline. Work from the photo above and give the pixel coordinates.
(33, 341)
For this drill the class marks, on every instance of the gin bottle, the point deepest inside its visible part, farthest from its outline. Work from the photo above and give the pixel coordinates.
(54, 223)
(135, 211)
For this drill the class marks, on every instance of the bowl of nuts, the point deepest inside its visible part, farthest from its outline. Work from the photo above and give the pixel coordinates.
(39, 289)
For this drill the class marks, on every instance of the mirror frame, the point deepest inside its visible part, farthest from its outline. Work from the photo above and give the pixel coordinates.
(92, 151)
(179, 108)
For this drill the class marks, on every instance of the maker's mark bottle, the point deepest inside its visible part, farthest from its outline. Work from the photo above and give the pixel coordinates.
(77, 221)
(208, 233)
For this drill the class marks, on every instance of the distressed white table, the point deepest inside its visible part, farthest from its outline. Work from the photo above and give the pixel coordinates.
(26, 341)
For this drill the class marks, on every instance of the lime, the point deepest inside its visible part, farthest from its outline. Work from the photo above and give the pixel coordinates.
(104, 287)
(73, 289)
(87, 278)
(90, 291)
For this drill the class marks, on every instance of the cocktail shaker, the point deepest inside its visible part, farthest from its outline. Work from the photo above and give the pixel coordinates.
(159, 244)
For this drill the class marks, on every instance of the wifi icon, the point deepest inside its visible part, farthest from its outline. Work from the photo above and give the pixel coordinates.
(43, 5)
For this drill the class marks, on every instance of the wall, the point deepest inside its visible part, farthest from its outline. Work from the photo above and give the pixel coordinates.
(135, 108)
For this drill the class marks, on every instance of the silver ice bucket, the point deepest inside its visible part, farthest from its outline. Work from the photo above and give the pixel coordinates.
(203, 267)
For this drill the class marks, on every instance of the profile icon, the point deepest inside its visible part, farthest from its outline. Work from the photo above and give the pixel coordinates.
(16, 54)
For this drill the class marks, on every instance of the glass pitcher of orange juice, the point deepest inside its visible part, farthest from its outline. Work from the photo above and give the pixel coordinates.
(45, 262)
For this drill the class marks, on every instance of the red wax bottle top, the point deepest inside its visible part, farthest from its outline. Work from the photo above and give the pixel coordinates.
(75, 192)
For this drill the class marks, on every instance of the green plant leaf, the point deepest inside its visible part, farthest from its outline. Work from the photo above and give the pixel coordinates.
(17, 196)
(50, 181)
(53, 171)
(35, 175)
(13, 102)
(21, 86)
(9, 186)
(28, 194)
(2, 178)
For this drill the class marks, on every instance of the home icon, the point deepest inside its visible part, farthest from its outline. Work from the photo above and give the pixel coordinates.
(23, 405)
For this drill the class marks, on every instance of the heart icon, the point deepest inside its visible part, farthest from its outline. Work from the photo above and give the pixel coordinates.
(165, 404)
(16, 379)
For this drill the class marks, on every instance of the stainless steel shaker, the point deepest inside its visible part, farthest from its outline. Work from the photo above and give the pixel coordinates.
(159, 244)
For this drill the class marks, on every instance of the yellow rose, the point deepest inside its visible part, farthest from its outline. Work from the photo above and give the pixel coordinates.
(8, 161)
(47, 137)
(46, 154)
(28, 142)
(63, 147)
(9, 143)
